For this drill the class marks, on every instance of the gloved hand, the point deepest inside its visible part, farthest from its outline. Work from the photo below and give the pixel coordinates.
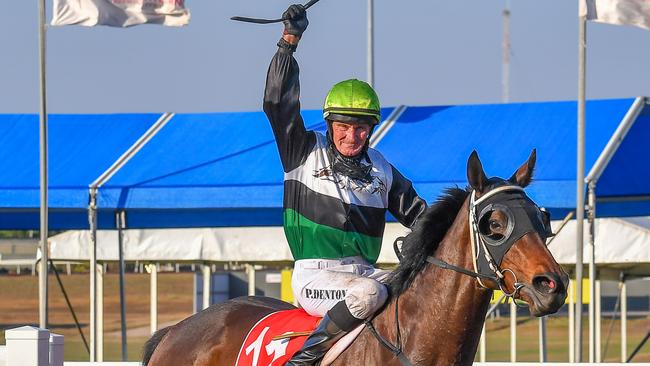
(295, 20)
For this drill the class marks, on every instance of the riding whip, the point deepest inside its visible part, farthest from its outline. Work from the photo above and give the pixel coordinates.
(269, 21)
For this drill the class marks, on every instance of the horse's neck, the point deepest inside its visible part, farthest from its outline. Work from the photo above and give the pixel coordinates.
(448, 308)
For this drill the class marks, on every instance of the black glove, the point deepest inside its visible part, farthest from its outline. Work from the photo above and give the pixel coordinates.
(295, 20)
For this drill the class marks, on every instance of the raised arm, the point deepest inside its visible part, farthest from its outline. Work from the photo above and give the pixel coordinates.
(282, 94)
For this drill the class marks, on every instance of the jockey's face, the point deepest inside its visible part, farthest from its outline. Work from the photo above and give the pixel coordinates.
(349, 138)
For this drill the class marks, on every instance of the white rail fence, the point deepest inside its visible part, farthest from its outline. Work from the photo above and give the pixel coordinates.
(30, 346)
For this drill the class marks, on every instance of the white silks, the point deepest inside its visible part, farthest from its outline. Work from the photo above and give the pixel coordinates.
(622, 12)
(120, 13)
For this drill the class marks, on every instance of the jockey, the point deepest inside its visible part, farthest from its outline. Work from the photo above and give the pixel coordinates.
(336, 193)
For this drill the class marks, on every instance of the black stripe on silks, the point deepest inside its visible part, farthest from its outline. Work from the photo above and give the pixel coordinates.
(333, 212)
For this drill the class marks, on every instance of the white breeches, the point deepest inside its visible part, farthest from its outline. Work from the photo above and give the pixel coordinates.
(318, 284)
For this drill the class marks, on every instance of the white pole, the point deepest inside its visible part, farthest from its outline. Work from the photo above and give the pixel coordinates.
(513, 331)
(505, 54)
(121, 224)
(580, 176)
(153, 305)
(42, 275)
(206, 286)
(250, 270)
(592, 272)
(483, 343)
(623, 320)
(371, 44)
(542, 339)
(92, 213)
(100, 312)
(599, 317)
(571, 323)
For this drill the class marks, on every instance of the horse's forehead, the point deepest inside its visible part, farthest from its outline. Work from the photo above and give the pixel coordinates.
(496, 182)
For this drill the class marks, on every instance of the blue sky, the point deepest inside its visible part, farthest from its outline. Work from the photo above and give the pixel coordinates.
(427, 53)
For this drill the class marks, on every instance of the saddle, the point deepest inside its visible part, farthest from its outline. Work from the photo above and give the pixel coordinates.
(278, 336)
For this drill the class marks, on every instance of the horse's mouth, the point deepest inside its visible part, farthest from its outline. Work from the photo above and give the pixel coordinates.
(541, 304)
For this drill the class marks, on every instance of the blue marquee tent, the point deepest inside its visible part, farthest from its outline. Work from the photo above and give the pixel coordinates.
(223, 169)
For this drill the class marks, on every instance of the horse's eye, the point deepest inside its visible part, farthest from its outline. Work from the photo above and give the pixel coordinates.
(494, 225)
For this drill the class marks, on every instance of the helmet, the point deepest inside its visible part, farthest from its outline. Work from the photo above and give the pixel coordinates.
(354, 98)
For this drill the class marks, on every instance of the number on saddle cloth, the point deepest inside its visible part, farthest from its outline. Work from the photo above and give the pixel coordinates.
(276, 338)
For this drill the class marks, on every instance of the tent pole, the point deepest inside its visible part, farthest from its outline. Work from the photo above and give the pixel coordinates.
(206, 285)
(250, 270)
(153, 305)
(580, 175)
(513, 331)
(92, 219)
(43, 270)
(592, 271)
(542, 339)
(120, 221)
(599, 318)
(100, 312)
(572, 329)
(623, 318)
(483, 343)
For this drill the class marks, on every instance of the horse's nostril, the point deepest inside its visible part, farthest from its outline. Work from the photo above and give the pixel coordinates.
(545, 284)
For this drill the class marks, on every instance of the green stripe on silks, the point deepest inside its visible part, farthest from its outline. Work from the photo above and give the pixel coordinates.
(309, 240)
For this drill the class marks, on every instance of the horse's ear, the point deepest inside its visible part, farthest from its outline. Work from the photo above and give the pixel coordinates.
(524, 175)
(475, 174)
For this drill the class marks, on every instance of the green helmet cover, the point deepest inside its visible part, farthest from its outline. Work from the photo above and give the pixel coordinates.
(352, 97)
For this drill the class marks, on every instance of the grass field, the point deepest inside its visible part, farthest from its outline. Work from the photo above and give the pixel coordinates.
(19, 306)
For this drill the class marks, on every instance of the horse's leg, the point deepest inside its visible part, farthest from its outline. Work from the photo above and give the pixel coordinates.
(214, 336)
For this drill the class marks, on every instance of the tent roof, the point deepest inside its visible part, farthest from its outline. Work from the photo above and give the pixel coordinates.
(440, 139)
(81, 147)
(222, 169)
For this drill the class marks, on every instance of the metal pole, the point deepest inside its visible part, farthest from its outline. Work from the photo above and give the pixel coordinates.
(153, 305)
(483, 343)
(42, 276)
(92, 213)
(505, 54)
(580, 176)
(206, 286)
(250, 270)
(542, 339)
(100, 312)
(623, 320)
(571, 323)
(513, 331)
(371, 44)
(121, 224)
(599, 317)
(591, 215)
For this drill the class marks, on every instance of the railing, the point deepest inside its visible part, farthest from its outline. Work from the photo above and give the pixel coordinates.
(30, 346)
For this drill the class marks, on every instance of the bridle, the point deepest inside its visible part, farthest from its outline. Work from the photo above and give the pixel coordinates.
(486, 262)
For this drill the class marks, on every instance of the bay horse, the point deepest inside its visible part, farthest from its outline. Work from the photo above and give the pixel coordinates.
(450, 264)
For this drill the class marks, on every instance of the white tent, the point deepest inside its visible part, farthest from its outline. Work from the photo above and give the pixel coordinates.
(621, 245)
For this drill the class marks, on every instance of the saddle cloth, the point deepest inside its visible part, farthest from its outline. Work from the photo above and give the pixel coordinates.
(261, 349)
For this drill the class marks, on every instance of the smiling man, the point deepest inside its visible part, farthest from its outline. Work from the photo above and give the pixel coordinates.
(336, 194)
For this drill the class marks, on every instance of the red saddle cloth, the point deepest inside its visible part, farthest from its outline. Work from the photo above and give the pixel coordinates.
(260, 349)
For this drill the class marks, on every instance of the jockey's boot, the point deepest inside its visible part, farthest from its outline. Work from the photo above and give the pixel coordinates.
(335, 324)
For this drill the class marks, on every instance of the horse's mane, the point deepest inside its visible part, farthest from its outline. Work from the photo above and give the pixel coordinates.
(427, 234)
